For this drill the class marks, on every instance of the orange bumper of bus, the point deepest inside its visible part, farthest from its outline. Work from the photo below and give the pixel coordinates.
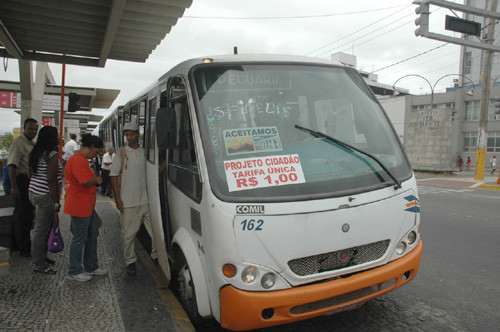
(244, 310)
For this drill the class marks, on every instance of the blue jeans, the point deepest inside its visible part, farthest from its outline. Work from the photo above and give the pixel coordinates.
(84, 243)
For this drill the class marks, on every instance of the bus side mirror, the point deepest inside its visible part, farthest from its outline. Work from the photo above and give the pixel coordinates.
(165, 127)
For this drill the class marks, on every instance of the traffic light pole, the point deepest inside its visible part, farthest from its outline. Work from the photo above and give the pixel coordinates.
(482, 135)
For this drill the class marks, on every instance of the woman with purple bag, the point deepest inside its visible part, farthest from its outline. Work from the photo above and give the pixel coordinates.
(44, 193)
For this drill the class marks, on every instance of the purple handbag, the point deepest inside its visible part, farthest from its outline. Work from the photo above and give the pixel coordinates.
(56, 243)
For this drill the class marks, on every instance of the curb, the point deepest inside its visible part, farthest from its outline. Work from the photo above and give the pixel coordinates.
(489, 186)
(179, 317)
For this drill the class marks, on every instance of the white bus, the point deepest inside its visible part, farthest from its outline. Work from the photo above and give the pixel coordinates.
(278, 188)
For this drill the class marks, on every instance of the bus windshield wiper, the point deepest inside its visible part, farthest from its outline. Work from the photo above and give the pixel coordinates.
(350, 148)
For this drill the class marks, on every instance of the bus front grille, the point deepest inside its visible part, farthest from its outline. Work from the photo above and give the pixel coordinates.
(338, 259)
(340, 299)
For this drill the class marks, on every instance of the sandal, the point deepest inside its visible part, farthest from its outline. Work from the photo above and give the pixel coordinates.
(49, 261)
(45, 270)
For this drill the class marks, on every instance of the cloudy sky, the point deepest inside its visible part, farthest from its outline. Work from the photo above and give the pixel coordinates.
(379, 33)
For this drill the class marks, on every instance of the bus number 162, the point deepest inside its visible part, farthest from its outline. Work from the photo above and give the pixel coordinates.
(252, 224)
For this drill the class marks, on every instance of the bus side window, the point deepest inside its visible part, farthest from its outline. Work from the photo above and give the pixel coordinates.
(183, 166)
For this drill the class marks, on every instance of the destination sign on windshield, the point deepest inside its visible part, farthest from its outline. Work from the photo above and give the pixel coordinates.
(251, 80)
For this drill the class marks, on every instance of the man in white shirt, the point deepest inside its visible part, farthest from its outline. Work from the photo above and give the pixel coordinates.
(107, 161)
(70, 147)
(131, 196)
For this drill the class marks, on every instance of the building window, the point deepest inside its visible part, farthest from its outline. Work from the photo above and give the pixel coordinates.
(491, 111)
(467, 63)
(472, 110)
(470, 141)
(428, 106)
(493, 141)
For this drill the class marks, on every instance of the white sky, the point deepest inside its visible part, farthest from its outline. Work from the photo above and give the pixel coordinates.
(379, 33)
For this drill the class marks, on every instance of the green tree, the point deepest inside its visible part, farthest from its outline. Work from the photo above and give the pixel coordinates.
(5, 141)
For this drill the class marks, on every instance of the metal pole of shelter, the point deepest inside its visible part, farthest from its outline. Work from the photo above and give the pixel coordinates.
(482, 135)
(61, 124)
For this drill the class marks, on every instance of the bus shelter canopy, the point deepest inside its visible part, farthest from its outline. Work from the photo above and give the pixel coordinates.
(85, 32)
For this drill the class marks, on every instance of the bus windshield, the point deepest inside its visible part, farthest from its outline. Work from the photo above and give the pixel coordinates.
(248, 116)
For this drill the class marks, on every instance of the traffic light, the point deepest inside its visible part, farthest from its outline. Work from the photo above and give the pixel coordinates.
(73, 105)
(422, 22)
(497, 104)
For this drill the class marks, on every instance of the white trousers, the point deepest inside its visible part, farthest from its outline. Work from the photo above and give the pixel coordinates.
(132, 218)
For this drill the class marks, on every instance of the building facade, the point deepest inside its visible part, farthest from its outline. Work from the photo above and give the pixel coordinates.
(434, 137)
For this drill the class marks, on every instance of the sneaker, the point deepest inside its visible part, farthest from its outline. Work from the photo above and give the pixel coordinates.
(131, 270)
(82, 277)
(98, 272)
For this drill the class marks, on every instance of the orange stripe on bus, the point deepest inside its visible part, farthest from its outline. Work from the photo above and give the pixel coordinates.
(413, 204)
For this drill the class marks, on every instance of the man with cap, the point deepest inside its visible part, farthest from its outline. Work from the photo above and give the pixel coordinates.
(107, 161)
(19, 152)
(131, 194)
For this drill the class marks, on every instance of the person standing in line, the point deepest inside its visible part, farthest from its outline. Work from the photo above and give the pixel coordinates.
(44, 192)
(460, 163)
(19, 151)
(469, 162)
(70, 147)
(493, 164)
(107, 161)
(80, 184)
(131, 194)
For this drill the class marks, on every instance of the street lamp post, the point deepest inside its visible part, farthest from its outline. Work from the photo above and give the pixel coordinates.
(430, 85)
(470, 92)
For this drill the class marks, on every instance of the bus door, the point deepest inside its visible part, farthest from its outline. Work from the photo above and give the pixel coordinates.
(183, 184)
(184, 188)
(162, 173)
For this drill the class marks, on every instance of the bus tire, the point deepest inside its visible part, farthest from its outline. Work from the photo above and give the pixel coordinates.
(185, 291)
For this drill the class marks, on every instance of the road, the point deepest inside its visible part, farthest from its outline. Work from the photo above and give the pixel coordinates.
(457, 288)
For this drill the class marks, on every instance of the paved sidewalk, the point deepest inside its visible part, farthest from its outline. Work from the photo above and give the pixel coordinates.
(459, 179)
(32, 301)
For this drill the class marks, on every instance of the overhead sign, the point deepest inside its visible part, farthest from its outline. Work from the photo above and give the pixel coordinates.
(424, 13)
(464, 26)
(72, 123)
(47, 121)
(10, 99)
(49, 102)
(53, 103)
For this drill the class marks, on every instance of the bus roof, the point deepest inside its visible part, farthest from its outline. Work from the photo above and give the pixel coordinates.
(246, 58)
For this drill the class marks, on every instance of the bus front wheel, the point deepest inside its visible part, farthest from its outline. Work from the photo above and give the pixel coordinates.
(186, 291)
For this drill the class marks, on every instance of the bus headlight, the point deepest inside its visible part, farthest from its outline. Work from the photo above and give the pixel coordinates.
(401, 247)
(249, 274)
(410, 239)
(268, 280)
